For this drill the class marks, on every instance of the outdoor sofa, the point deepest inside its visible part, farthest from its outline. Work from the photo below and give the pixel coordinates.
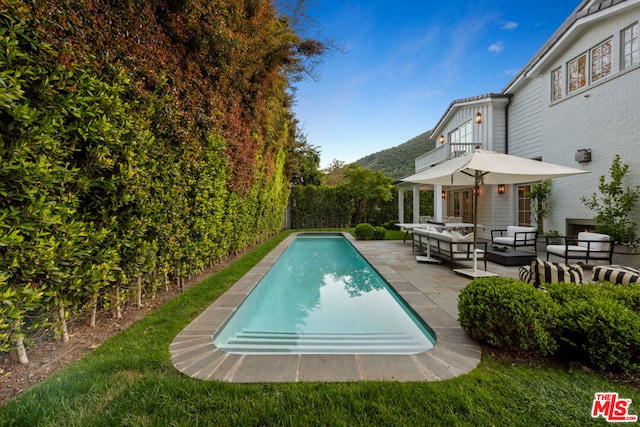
(448, 245)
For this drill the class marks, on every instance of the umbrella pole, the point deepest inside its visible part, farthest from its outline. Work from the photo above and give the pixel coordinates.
(476, 190)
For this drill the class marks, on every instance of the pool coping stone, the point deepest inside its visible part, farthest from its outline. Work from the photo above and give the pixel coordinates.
(435, 301)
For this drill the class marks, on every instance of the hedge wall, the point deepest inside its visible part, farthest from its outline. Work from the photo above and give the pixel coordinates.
(139, 142)
(320, 207)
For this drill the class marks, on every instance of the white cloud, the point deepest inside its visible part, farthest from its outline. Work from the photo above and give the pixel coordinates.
(509, 25)
(510, 72)
(496, 47)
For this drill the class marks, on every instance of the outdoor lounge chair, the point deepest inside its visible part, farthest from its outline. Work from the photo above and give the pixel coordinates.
(515, 237)
(586, 247)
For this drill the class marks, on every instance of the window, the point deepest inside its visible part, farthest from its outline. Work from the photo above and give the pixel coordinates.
(464, 134)
(578, 73)
(524, 206)
(556, 84)
(601, 61)
(629, 46)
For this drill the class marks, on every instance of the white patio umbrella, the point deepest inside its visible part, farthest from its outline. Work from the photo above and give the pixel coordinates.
(488, 167)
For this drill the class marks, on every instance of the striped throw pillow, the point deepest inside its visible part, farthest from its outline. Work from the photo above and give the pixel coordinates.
(524, 273)
(554, 272)
(617, 274)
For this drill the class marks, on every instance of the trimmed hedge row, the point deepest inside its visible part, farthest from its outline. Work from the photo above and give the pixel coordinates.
(320, 206)
(597, 324)
(115, 179)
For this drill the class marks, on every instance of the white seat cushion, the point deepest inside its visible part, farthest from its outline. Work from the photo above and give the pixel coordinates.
(583, 236)
(573, 250)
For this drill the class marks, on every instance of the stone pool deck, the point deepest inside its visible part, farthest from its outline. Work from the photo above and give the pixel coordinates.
(430, 289)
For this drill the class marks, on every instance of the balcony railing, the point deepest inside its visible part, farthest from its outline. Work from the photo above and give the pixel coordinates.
(444, 152)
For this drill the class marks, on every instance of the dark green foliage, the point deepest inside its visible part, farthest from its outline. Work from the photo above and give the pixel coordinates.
(398, 162)
(320, 207)
(597, 324)
(509, 314)
(364, 231)
(379, 233)
(139, 143)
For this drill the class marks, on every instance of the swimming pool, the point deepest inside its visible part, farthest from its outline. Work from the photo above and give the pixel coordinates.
(322, 296)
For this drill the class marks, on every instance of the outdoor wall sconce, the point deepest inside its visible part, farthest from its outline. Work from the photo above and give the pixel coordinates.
(441, 139)
(478, 118)
(583, 156)
(501, 189)
(444, 194)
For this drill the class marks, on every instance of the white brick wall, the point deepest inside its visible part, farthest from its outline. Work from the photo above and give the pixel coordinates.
(604, 117)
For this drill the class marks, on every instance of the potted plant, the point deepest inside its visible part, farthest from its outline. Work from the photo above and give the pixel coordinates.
(614, 207)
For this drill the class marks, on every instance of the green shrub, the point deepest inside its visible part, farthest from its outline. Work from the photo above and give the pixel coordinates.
(391, 225)
(379, 233)
(509, 314)
(598, 326)
(364, 231)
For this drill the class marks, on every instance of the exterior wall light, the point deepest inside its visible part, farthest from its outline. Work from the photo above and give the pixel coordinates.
(501, 189)
(441, 139)
(444, 194)
(478, 118)
(584, 155)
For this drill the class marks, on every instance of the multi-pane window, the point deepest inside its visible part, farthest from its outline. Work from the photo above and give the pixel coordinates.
(463, 134)
(629, 46)
(556, 84)
(578, 73)
(601, 61)
(524, 205)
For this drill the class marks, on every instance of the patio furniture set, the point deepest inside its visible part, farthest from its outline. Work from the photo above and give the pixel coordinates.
(507, 249)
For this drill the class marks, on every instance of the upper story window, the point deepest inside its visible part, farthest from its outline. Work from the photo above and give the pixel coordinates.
(629, 46)
(556, 84)
(578, 73)
(464, 134)
(601, 61)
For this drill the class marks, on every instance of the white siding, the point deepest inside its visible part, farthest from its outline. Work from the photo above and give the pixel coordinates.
(525, 121)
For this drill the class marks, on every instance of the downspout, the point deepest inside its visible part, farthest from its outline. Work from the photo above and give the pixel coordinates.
(506, 125)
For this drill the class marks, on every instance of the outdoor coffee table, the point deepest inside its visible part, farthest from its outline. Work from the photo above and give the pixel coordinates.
(509, 257)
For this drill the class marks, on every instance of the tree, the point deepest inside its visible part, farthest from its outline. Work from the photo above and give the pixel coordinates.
(615, 205)
(334, 173)
(540, 206)
(368, 187)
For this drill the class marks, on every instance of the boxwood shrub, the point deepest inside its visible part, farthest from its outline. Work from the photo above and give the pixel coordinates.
(599, 325)
(364, 231)
(596, 324)
(379, 233)
(508, 314)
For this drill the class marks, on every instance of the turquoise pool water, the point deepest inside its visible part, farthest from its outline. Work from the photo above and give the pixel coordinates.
(322, 296)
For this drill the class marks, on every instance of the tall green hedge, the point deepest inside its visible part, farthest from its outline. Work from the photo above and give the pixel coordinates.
(320, 206)
(115, 177)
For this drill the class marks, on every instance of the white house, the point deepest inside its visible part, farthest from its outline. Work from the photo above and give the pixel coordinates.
(575, 103)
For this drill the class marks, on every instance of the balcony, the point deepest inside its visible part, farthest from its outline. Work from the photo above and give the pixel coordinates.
(444, 152)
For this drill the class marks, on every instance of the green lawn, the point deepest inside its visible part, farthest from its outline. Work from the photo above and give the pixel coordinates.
(130, 380)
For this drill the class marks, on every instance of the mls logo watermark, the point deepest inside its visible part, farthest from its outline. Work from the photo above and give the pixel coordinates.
(612, 408)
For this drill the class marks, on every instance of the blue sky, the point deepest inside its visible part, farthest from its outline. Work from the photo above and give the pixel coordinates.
(403, 62)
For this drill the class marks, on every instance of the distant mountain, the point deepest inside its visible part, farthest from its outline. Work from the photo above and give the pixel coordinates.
(399, 161)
